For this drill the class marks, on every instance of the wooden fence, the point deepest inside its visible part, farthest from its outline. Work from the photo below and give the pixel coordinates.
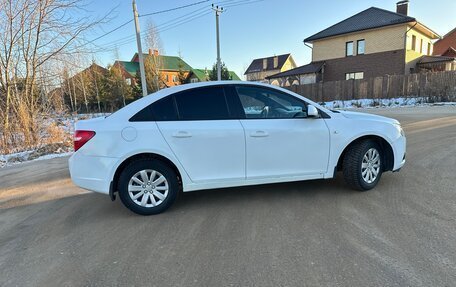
(436, 86)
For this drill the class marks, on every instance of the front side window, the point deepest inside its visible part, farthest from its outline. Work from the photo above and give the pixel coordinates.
(263, 103)
(349, 49)
(208, 103)
(413, 42)
(361, 46)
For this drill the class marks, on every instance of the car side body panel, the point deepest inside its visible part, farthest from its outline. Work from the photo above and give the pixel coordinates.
(117, 139)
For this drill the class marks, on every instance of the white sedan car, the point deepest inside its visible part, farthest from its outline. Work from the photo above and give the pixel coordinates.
(224, 134)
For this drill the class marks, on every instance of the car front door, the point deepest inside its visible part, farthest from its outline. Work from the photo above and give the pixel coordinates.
(206, 139)
(280, 140)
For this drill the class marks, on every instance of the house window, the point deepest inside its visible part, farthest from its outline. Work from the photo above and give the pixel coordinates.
(360, 47)
(429, 49)
(166, 78)
(354, 76)
(174, 78)
(421, 46)
(194, 80)
(128, 81)
(413, 42)
(349, 49)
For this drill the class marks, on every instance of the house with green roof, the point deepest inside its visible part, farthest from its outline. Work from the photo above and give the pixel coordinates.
(168, 66)
(202, 75)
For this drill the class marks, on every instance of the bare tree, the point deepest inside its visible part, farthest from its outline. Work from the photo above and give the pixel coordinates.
(153, 63)
(33, 33)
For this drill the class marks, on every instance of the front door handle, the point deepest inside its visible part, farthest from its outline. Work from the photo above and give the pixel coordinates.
(259, 134)
(182, 134)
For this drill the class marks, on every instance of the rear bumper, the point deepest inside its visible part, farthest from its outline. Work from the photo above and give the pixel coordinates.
(92, 172)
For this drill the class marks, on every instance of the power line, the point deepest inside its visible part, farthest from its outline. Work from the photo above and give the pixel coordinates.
(234, 4)
(107, 33)
(163, 26)
(170, 24)
(148, 14)
(173, 9)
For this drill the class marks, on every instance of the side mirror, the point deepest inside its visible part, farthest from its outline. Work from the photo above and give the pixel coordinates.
(312, 111)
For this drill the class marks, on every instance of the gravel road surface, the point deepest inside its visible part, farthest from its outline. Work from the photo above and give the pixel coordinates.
(315, 233)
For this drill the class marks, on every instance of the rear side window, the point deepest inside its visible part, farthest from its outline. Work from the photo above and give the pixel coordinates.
(164, 109)
(208, 103)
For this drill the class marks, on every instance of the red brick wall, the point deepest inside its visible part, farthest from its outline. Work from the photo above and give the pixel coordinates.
(442, 45)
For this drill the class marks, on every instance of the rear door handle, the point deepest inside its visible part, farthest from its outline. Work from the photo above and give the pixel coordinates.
(182, 134)
(259, 134)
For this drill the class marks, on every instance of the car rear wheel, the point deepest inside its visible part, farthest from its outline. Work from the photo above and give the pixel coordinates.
(148, 187)
(362, 165)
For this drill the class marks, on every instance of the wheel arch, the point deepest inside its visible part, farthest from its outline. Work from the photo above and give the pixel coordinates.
(388, 153)
(144, 155)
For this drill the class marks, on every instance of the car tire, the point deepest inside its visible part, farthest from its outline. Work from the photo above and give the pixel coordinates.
(363, 165)
(148, 186)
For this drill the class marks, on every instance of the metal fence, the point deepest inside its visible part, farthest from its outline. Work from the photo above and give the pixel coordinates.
(435, 86)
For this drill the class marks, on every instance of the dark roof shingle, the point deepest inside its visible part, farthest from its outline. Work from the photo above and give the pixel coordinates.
(257, 64)
(368, 19)
(311, 68)
(435, 59)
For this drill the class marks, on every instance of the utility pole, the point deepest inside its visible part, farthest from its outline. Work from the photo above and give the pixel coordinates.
(140, 54)
(218, 11)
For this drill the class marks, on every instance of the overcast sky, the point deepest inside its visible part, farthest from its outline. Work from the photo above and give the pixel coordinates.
(248, 31)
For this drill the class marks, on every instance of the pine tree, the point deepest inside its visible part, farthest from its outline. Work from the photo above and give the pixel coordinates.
(225, 73)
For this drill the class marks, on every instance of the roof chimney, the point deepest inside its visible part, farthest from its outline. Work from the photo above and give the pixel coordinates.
(276, 62)
(402, 7)
(265, 64)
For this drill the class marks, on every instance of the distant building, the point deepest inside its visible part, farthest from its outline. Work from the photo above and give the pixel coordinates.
(261, 68)
(446, 46)
(169, 67)
(372, 43)
(443, 57)
(307, 74)
(202, 75)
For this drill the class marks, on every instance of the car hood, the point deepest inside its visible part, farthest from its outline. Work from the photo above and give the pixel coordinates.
(364, 116)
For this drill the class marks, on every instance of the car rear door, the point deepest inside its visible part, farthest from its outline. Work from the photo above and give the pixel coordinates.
(207, 140)
(278, 144)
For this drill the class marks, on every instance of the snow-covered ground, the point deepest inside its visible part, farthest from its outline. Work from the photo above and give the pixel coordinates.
(383, 103)
(25, 156)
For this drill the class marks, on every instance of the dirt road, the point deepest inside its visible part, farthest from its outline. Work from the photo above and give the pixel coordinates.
(317, 233)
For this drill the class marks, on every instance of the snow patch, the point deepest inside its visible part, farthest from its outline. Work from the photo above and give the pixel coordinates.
(388, 103)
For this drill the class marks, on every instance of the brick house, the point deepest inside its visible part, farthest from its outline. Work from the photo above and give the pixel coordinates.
(446, 46)
(372, 43)
(443, 57)
(260, 68)
(169, 67)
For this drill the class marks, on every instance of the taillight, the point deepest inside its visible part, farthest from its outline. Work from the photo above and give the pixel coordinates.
(81, 137)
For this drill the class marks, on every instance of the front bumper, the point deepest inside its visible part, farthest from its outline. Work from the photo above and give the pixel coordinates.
(92, 172)
(399, 149)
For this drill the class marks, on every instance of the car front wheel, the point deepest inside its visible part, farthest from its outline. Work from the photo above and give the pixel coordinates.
(362, 165)
(148, 187)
